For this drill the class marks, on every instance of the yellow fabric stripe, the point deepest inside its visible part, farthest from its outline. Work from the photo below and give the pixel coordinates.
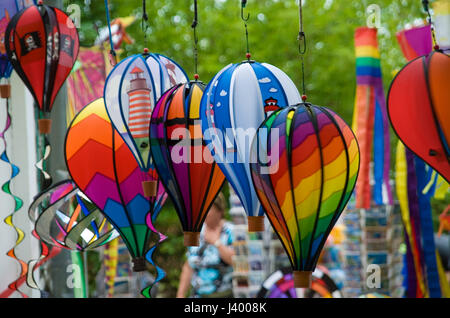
(445, 286)
(334, 176)
(353, 155)
(195, 102)
(401, 176)
(308, 206)
(442, 187)
(98, 108)
(366, 50)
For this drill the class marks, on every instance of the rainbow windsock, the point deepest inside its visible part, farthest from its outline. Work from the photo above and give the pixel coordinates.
(370, 122)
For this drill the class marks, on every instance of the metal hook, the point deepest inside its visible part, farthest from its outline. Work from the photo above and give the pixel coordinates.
(144, 10)
(195, 22)
(301, 42)
(144, 22)
(244, 3)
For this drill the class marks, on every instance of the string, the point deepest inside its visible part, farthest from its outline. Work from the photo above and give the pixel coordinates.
(194, 27)
(144, 24)
(302, 47)
(245, 19)
(112, 52)
(144, 11)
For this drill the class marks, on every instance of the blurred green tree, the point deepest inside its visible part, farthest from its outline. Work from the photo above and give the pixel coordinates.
(273, 29)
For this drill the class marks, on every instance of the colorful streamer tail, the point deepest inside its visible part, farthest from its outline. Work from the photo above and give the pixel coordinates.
(41, 165)
(160, 273)
(18, 203)
(370, 122)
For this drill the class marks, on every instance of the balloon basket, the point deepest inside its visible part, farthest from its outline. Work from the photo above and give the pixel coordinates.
(255, 223)
(139, 264)
(5, 91)
(191, 238)
(149, 188)
(302, 279)
(45, 126)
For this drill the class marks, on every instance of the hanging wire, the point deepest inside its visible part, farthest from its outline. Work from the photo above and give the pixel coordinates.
(194, 27)
(144, 24)
(245, 19)
(144, 11)
(112, 52)
(426, 7)
(302, 47)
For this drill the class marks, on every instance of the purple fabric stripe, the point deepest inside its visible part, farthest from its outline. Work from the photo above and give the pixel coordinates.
(413, 200)
(301, 133)
(302, 128)
(306, 130)
(130, 187)
(411, 289)
(100, 189)
(181, 173)
(368, 80)
(419, 39)
(280, 144)
(7, 125)
(322, 119)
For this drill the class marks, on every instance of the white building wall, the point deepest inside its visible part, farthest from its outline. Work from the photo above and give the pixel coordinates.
(21, 149)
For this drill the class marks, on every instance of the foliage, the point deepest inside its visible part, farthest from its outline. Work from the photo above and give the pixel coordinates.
(273, 29)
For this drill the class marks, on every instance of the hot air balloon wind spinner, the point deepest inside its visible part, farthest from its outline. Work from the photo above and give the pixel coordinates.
(42, 45)
(305, 187)
(235, 103)
(192, 181)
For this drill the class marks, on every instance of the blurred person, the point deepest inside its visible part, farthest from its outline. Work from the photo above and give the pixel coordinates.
(207, 271)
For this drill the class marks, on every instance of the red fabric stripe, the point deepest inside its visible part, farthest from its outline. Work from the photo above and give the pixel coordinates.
(141, 92)
(138, 129)
(135, 111)
(140, 117)
(140, 104)
(140, 98)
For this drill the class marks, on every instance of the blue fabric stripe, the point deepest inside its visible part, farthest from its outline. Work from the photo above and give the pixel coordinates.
(86, 212)
(236, 171)
(116, 213)
(378, 155)
(138, 209)
(315, 245)
(368, 71)
(429, 248)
